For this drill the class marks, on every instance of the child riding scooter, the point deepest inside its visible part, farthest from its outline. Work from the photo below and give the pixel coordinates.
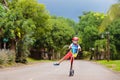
(74, 49)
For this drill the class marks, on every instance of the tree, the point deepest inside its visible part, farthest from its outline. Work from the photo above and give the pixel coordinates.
(20, 23)
(2, 15)
(58, 35)
(17, 29)
(111, 24)
(114, 29)
(36, 16)
(112, 14)
(90, 36)
(88, 28)
(61, 33)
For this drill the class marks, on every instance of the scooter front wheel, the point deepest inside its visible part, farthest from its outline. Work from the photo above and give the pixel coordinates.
(71, 73)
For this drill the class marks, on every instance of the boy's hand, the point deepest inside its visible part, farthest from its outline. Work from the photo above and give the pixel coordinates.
(79, 49)
(68, 50)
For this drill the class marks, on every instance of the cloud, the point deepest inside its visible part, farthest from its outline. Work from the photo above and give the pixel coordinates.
(74, 8)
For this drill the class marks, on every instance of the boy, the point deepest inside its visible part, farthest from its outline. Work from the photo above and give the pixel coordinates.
(74, 49)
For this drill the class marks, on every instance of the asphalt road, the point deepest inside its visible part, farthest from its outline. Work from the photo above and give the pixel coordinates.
(84, 70)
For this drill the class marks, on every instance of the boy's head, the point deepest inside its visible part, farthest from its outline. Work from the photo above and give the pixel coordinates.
(75, 40)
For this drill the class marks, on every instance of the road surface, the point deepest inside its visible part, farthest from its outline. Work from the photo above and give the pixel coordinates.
(84, 70)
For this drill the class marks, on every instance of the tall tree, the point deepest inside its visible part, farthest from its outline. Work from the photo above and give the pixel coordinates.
(58, 35)
(112, 14)
(21, 22)
(88, 28)
(114, 29)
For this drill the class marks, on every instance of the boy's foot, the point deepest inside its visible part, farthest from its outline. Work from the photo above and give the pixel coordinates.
(56, 64)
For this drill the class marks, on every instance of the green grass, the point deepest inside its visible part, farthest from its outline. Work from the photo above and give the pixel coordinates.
(112, 64)
(31, 60)
(7, 65)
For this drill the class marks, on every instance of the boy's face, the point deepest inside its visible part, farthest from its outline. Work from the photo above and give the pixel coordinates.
(75, 42)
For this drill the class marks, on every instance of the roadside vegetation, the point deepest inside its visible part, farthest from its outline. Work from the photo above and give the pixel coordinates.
(112, 64)
(28, 30)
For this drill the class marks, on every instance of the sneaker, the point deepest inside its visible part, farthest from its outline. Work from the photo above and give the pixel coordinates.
(56, 64)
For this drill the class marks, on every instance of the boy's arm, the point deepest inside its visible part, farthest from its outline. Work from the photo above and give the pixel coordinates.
(70, 46)
(79, 48)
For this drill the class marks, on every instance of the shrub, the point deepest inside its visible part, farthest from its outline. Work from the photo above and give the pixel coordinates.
(86, 54)
(11, 56)
(7, 56)
(3, 57)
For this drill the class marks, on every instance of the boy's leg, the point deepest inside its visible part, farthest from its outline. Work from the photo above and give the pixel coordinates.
(67, 56)
(71, 60)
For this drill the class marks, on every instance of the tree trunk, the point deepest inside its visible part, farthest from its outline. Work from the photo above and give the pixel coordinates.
(4, 45)
(5, 3)
(13, 45)
(108, 47)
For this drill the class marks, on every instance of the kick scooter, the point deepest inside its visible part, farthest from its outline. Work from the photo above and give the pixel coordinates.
(71, 73)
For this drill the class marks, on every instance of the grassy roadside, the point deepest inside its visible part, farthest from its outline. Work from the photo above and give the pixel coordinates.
(30, 61)
(112, 64)
(7, 65)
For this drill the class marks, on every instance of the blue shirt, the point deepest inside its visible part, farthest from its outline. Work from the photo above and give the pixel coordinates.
(74, 48)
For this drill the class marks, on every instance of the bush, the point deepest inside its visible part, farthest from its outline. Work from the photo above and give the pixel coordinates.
(3, 57)
(7, 56)
(86, 54)
(11, 56)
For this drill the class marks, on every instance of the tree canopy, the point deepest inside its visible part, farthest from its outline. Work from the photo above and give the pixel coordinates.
(88, 28)
(26, 25)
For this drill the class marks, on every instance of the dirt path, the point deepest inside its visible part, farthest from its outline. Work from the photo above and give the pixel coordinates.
(84, 70)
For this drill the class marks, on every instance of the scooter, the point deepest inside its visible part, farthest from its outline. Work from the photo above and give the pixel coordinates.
(71, 73)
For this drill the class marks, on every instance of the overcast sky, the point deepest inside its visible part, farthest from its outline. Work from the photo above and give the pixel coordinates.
(74, 8)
